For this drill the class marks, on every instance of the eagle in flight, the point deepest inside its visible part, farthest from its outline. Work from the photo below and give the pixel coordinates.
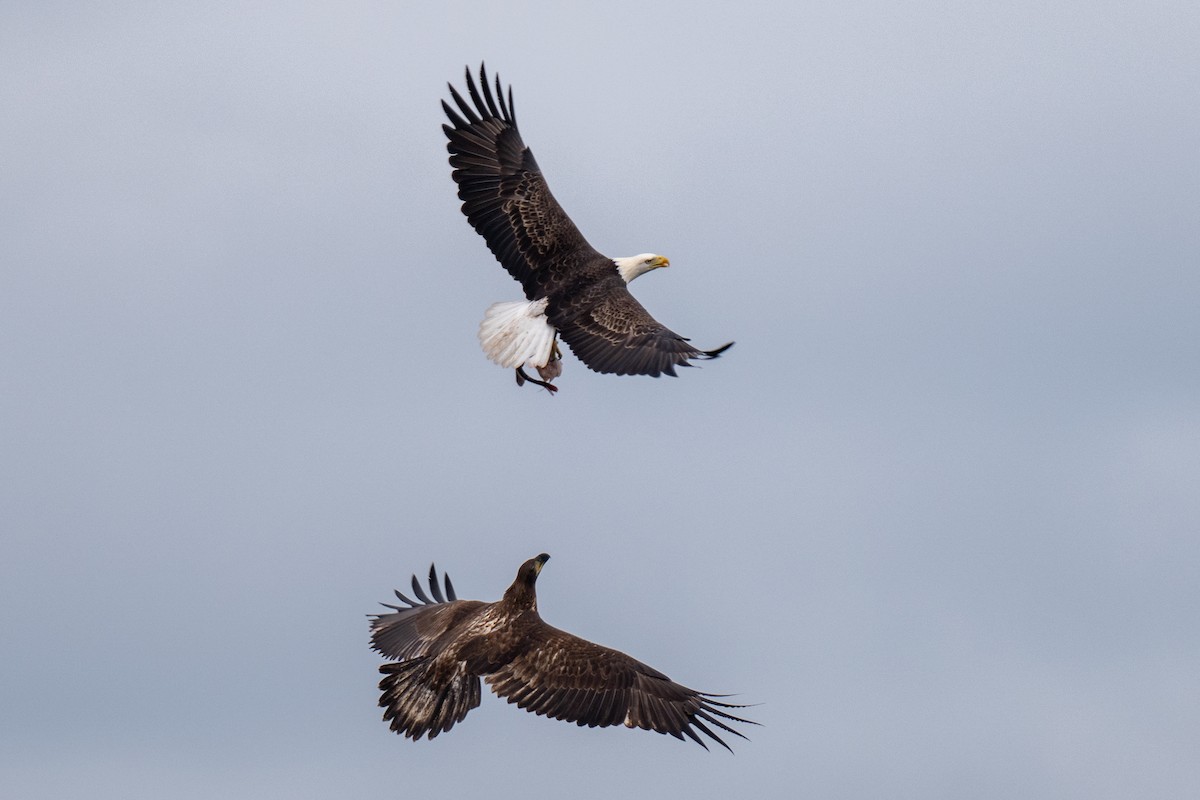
(571, 290)
(442, 646)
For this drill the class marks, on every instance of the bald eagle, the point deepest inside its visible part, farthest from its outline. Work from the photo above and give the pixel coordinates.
(444, 645)
(571, 290)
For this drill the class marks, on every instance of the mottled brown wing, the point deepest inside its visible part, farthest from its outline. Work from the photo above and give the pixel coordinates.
(413, 630)
(610, 331)
(568, 678)
(505, 196)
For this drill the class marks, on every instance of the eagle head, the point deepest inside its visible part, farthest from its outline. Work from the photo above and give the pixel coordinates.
(633, 266)
(522, 592)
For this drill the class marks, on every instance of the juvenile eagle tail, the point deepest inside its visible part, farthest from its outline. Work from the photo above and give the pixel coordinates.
(419, 701)
(515, 334)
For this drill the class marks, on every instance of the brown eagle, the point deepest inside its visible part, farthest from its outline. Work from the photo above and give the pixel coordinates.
(571, 290)
(444, 645)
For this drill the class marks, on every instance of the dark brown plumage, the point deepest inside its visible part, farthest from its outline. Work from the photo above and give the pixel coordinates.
(444, 645)
(507, 201)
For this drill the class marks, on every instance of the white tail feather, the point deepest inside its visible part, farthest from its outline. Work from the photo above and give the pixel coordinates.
(516, 333)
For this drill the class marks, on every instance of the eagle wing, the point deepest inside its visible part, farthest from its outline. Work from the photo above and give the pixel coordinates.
(610, 331)
(565, 677)
(414, 630)
(504, 194)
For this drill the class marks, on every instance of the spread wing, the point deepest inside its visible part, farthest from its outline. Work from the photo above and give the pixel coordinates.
(568, 678)
(414, 630)
(504, 194)
(610, 331)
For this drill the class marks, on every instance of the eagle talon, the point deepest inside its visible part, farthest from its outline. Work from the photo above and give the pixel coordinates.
(522, 376)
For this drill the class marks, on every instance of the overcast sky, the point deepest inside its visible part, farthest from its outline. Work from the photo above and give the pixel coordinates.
(937, 511)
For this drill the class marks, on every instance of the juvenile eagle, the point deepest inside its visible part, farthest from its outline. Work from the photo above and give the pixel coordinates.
(444, 645)
(572, 291)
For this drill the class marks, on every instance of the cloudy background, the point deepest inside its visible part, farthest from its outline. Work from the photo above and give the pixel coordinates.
(936, 512)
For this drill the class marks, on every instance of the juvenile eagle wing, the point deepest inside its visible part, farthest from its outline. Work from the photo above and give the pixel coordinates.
(415, 629)
(565, 677)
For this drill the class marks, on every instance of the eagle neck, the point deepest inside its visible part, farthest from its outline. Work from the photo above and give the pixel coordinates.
(521, 597)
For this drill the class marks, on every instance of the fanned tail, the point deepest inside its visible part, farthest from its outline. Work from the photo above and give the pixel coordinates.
(419, 701)
(515, 334)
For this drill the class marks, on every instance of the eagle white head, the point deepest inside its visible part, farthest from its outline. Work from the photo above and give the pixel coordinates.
(632, 266)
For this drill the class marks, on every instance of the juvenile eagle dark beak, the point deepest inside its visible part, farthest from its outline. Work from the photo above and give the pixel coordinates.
(541, 561)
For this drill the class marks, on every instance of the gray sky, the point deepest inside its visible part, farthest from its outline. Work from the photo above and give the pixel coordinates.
(937, 511)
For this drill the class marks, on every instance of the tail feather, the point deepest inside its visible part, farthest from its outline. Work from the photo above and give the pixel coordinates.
(417, 700)
(516, 333)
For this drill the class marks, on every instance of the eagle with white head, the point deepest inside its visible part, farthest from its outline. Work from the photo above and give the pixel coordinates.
(571, 290)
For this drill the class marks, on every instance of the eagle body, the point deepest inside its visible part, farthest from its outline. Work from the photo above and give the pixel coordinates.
(444, 647)
(507, 201)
